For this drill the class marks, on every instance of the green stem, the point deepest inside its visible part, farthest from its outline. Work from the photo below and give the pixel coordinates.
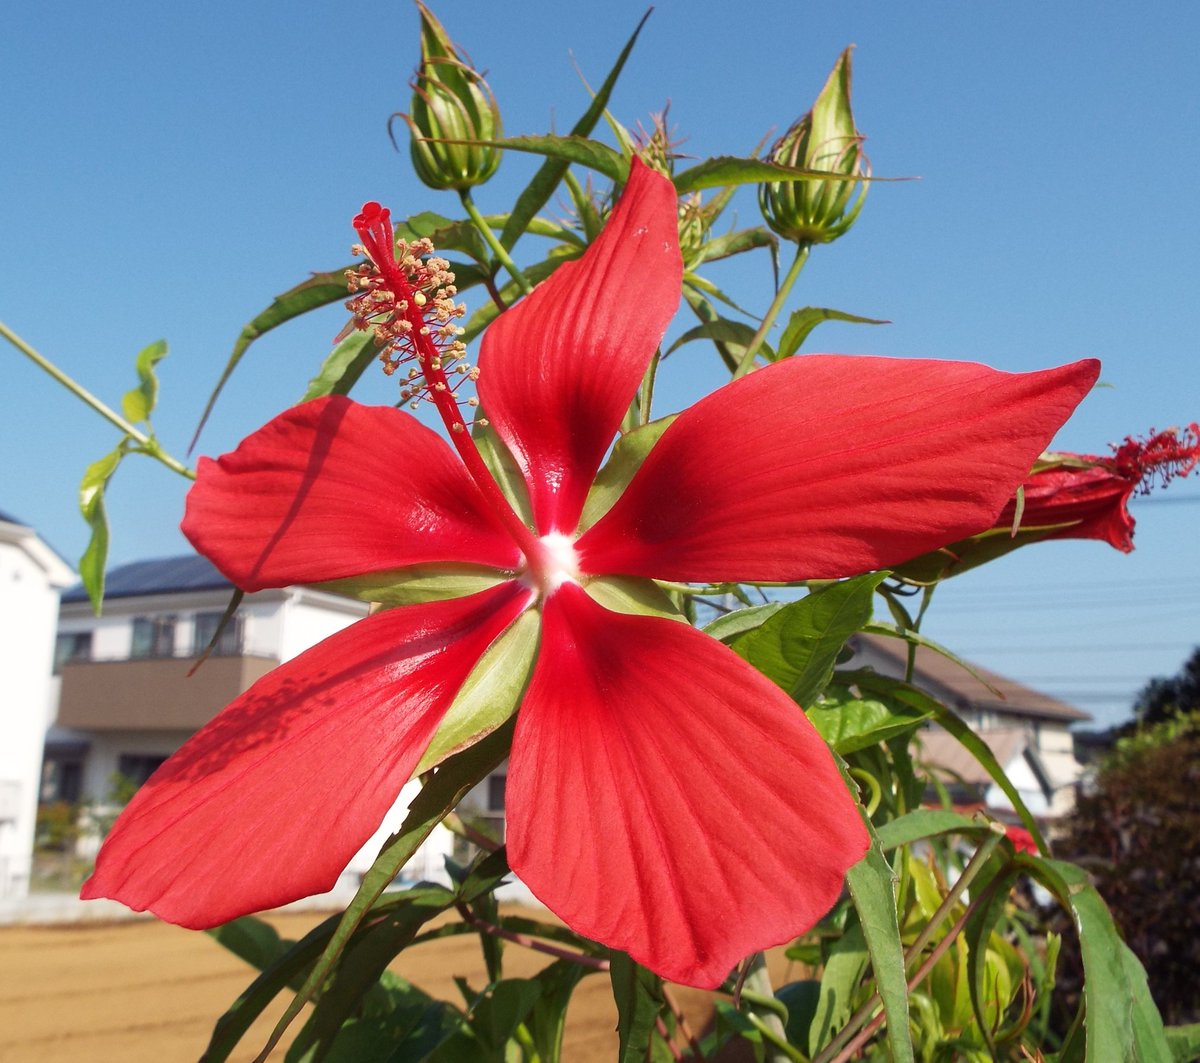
(758, 980)
(497, 247)
(146, 444)
(747, 362)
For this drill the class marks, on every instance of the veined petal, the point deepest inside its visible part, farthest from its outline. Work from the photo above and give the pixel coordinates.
(559, 369)
(666, 799)
(331, 489)
(824, 466)
(270, 800)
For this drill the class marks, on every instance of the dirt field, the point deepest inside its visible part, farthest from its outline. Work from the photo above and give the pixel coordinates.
(146, 992)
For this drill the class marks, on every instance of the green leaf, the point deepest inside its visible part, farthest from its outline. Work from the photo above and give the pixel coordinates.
(1122, 1020)
(253, 940)
(491, 693)
(800, 999)
(360, 968)
(319, 290)
(139, 403)
(988, 910)
(437, 799)
(638, 993)
(849, 724)
(549, 1016)
(735, 243)
(730, 625)
(1184, 1042)
(803, 321)
(798, 646)
(927, 823)
(539, 190)
(343, 366)
(844, 971)
(730, 170)
(872, 887)
(627, 456)
(590, 153)
(91, 504)
(736, 335)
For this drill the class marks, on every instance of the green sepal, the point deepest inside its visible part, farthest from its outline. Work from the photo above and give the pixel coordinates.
(91, 504)
(629, 594)
(626, 458)
(139, 403)
(417, 584)
(491, 692)
(504, 469)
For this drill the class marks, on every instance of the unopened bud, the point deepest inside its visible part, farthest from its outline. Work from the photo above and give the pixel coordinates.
(451, 101)
(817, 210)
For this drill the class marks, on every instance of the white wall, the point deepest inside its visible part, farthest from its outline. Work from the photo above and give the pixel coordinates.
(30, 579)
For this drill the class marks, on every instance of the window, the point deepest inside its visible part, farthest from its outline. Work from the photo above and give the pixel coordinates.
(136, 768)
(153, 637)
(495, 797)
(72, 646)
(205, 627)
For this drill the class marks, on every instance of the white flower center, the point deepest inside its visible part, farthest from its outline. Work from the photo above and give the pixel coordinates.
(557, 563)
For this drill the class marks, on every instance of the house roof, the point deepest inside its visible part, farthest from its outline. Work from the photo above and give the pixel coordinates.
(942, 750)
(164, 575)
(1006, 695)
(8, 518)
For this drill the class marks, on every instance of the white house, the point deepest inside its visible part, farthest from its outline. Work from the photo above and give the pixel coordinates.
(127, 703)
(1027, 731)
(31, 576)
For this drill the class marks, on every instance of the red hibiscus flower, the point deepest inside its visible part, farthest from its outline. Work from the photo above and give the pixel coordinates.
(663, 797)
(1072, 496)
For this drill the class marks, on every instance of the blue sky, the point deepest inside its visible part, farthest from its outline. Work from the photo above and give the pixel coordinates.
(168, 168)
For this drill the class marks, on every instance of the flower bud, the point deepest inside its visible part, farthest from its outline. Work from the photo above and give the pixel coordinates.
(451, 101)
(816, 211)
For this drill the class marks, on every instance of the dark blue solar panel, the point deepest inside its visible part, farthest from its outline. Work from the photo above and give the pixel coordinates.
(161, 576)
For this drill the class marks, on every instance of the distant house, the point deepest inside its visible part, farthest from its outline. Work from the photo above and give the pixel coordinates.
(126, 701)
(1027, 731)
(31, 576)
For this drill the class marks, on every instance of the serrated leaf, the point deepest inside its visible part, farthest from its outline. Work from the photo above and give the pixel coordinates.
(139, 403)
(91, 504)
(630, 451)
(849, 724)
(437, 799)
(343, 366)
(729, 626)
(798, 647)
(926, 823)
(872, 886)
(537, 193)
(638, 993)
(730, 170)
(319, 290)
(735, 243)
(733, 334)
(570, 149)
(803, 321)
(1122, 1020)
(840, 980)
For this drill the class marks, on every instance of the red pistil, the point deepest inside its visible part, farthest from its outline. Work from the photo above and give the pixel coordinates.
(412, 324)
(1162, 457)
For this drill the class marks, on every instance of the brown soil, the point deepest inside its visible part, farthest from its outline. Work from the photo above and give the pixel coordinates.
(146, 992)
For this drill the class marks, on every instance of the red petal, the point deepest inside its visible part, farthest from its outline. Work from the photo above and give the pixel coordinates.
(269, 801)
(824, 466)
(1093, 503)
(331, 489)
(559, 369)
(666, 799)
